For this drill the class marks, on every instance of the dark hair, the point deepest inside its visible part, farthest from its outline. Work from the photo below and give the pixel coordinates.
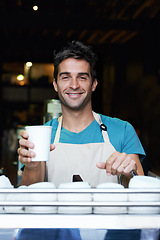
(76, 50)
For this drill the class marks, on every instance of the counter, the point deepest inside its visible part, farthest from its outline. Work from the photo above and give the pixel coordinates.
(85, 221)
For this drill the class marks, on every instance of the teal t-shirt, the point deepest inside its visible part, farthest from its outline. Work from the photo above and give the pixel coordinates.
(121, 134)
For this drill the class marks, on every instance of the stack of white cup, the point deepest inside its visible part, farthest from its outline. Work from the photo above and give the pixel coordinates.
(110, 197)
(144, 182)
(4, 184)
(16, 197)
(42, 197)
(75, 197)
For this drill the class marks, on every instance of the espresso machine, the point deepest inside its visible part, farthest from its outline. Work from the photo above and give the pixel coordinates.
(52, 109)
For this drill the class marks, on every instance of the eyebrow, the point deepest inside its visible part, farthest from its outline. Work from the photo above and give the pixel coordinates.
(83, 73)
(64, 73)
(80, 73)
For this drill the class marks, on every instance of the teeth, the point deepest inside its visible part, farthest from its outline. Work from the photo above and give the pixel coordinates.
(74, 94)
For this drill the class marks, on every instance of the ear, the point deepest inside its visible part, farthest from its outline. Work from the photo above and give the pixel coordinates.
(55, 85)
(94, 85)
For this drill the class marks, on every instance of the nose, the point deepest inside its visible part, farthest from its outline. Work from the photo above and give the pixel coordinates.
(74, 83)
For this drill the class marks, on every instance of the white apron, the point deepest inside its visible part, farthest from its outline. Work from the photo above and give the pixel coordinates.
(67, 160)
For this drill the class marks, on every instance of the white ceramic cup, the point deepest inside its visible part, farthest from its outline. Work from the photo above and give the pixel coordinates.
(74, 197)
(40, 136)
(144, 182)
(42, 197)
(16, 197)
(4, 184)
(110, 197)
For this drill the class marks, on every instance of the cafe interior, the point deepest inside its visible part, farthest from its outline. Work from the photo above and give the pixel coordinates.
(124, 34)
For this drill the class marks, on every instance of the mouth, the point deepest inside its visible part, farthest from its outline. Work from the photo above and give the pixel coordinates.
(74, 95)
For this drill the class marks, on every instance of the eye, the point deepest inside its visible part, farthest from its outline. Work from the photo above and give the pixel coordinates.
(83, 77)
(64, 77)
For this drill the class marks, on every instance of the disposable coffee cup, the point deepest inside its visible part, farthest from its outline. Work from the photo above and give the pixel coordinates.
(40, 136)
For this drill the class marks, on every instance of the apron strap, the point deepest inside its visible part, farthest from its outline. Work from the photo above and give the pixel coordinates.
(102, 126)
(99, 121)
(57, 136)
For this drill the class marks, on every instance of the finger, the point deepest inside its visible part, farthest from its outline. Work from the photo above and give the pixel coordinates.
(24, 134)
(25, 160)
(114, 172)
(117, 167)
(18, 150)
(123, 164)
(127, 166)
(131, 167)
(101, 165)
(25, 143)
(24, 153)
(52, 147)
(110, 162)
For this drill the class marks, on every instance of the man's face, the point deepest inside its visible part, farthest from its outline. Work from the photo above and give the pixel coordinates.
(74, 83)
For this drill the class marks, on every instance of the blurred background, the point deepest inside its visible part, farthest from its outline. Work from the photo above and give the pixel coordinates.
(124, 34)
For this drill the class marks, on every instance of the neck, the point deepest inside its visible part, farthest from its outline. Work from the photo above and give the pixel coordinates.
(77, 121)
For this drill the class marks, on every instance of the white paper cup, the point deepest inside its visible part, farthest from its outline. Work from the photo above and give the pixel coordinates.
(40, 136)
(110, 197)
(42, 197)
(74, 197)
(144, 182)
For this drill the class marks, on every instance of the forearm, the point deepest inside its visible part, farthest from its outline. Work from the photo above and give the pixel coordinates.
(33, 175)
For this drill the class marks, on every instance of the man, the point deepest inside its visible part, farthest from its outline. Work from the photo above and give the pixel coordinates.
(96, 147)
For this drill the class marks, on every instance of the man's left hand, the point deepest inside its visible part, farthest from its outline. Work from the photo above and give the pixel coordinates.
(119, 163)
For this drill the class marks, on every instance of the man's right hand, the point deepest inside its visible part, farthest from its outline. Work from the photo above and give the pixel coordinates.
(34, 171)
(26, 155)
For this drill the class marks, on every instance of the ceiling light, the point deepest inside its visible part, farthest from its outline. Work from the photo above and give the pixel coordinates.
(20, 77)
(29, 64)
(35, 7)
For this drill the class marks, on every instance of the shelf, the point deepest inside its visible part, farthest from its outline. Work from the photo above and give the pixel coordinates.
(81, 221)
(91, 221)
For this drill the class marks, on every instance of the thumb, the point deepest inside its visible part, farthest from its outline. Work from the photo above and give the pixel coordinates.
(101, 165)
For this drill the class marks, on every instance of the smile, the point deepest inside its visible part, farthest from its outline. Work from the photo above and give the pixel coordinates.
(74, 95)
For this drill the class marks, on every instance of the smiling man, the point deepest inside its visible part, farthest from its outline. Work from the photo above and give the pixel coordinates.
(96, 147)
(74, 86)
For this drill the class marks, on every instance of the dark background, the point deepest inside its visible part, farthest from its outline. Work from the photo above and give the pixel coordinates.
(124, 34)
